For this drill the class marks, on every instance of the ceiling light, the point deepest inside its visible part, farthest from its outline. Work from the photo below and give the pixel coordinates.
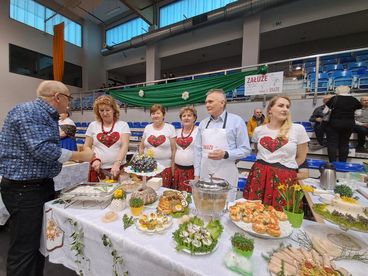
(298, 68)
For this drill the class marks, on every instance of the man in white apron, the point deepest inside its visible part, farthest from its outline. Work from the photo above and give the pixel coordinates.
(222, 139)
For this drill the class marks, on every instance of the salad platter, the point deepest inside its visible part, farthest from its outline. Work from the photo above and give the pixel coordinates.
(196, 238)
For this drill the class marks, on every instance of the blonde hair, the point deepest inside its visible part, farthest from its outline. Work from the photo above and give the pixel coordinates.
(107, 100)
(190, 109)
(287, 123)
(50, 87)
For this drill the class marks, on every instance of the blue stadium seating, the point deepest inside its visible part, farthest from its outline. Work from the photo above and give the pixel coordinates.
(323, 82)
(342, 78)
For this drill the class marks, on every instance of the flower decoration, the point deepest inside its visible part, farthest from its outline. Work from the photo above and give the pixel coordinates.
(141, 93)
(293, 195)
(119, 194)
(185, 95)
(149, 153)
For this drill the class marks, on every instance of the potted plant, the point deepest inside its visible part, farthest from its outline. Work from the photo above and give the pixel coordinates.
(136, 206)
(242, 245)
(293, 195)
(118, 202)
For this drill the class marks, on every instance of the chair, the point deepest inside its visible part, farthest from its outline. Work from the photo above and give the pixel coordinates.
(362, 57)
(177, 125)
(355, 66)
(327, 60)
(363, 79)
(342, 78)
(323, 82)
(332, 68)
(346, 58)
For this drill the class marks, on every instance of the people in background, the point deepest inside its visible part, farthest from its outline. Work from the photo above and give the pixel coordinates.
(30, 156)
(341, 123)
(160, 137)
(257, 119)
(281, 147)
(185, 137)
(318, 125)
(221, 140)
(109, 138)
(361, 124)
(67, 131)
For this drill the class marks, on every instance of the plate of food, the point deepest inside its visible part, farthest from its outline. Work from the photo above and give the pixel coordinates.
(153, 223)
(345, 212)
(300, 261)
(196, 238)
(174, 203)
(260, 220)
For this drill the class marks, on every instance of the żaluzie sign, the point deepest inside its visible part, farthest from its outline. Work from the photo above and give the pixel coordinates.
(264, 83)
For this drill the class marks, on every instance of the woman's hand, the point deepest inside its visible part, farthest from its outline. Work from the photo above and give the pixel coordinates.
(96, 165)
(115, 170)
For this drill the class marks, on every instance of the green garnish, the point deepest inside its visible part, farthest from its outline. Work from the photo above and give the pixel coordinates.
(343, 190)
(242, 243)
(128, 221)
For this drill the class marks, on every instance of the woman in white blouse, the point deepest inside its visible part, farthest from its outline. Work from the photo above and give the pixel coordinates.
(281, 148)
(184, 169)
(159, 137)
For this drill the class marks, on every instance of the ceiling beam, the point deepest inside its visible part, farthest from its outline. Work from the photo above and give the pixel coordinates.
(146, 9)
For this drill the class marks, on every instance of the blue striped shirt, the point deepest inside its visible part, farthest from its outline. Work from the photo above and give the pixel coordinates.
(29, 142)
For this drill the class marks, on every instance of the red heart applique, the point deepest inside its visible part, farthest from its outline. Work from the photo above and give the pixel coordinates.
(273, 144)
(156, 141)
(108, 139)
(184, 142)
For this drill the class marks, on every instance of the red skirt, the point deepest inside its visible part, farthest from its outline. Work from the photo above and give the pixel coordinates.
(166, 176)
(263, 181)
(182, 174)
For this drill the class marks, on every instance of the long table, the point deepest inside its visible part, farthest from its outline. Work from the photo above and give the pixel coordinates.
(149, 254)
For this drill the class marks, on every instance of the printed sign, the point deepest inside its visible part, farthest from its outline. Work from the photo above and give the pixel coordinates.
(263, 84)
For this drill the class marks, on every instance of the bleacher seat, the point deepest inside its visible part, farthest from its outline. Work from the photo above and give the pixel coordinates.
(362, 57)
(332, 68)
(249, 158)
(342, 78)
(130, 124)
(328, 60)
(80, 141)
(136, 125)
(177, 125)
(323, 82)
(144, 124)
(348, 167)
(355, 66)
(242, 182)
(363, 80)
(78, 124)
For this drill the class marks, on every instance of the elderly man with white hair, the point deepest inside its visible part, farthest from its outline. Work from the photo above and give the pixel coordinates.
(341, 123)
(30, 156)
(221, 140)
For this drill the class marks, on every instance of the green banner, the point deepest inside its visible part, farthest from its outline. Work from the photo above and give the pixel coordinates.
(179, 93)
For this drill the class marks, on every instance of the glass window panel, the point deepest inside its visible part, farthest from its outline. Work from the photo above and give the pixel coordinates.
(126, 31)
(174, 12)
(38, 16)
(33, 64)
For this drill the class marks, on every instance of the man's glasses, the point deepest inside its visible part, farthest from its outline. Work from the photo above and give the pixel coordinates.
(70, 98)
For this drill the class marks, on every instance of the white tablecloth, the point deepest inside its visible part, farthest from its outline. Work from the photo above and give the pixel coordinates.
(71, 173)
(152, 254)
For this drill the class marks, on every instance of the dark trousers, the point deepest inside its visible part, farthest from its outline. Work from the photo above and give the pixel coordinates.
(362, 133)
(24, 201)
(319, 130)
(338, 141)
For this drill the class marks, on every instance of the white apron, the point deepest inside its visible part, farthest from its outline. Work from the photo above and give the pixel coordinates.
(213, 139)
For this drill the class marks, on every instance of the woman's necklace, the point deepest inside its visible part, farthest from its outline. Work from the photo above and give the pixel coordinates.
(182, 134)
(107, 132)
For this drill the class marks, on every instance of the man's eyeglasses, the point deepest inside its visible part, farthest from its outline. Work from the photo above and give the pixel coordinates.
(70, 98)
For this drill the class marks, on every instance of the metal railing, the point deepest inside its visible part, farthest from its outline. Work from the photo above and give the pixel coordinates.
(298, 76)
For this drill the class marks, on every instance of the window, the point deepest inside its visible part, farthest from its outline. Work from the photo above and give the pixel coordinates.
(29, 63)
(180, 10)
(126, 31)
(39, 17)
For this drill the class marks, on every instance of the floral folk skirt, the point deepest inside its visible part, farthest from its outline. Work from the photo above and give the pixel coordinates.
(166, 176)
(263, 181)
(181, 174)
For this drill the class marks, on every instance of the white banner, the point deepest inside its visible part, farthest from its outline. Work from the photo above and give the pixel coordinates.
(264, 83)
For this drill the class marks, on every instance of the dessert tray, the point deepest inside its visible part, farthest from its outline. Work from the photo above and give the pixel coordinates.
(259, 220)
(153, 223)
(159, 169)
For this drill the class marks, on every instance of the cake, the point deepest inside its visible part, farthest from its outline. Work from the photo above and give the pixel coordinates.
(143, 164)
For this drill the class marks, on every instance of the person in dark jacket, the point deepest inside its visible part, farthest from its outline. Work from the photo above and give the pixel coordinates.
(316, 119)
(341, 123)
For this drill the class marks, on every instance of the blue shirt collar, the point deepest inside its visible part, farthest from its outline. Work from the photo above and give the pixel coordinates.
(49, 109)
(221, 117)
